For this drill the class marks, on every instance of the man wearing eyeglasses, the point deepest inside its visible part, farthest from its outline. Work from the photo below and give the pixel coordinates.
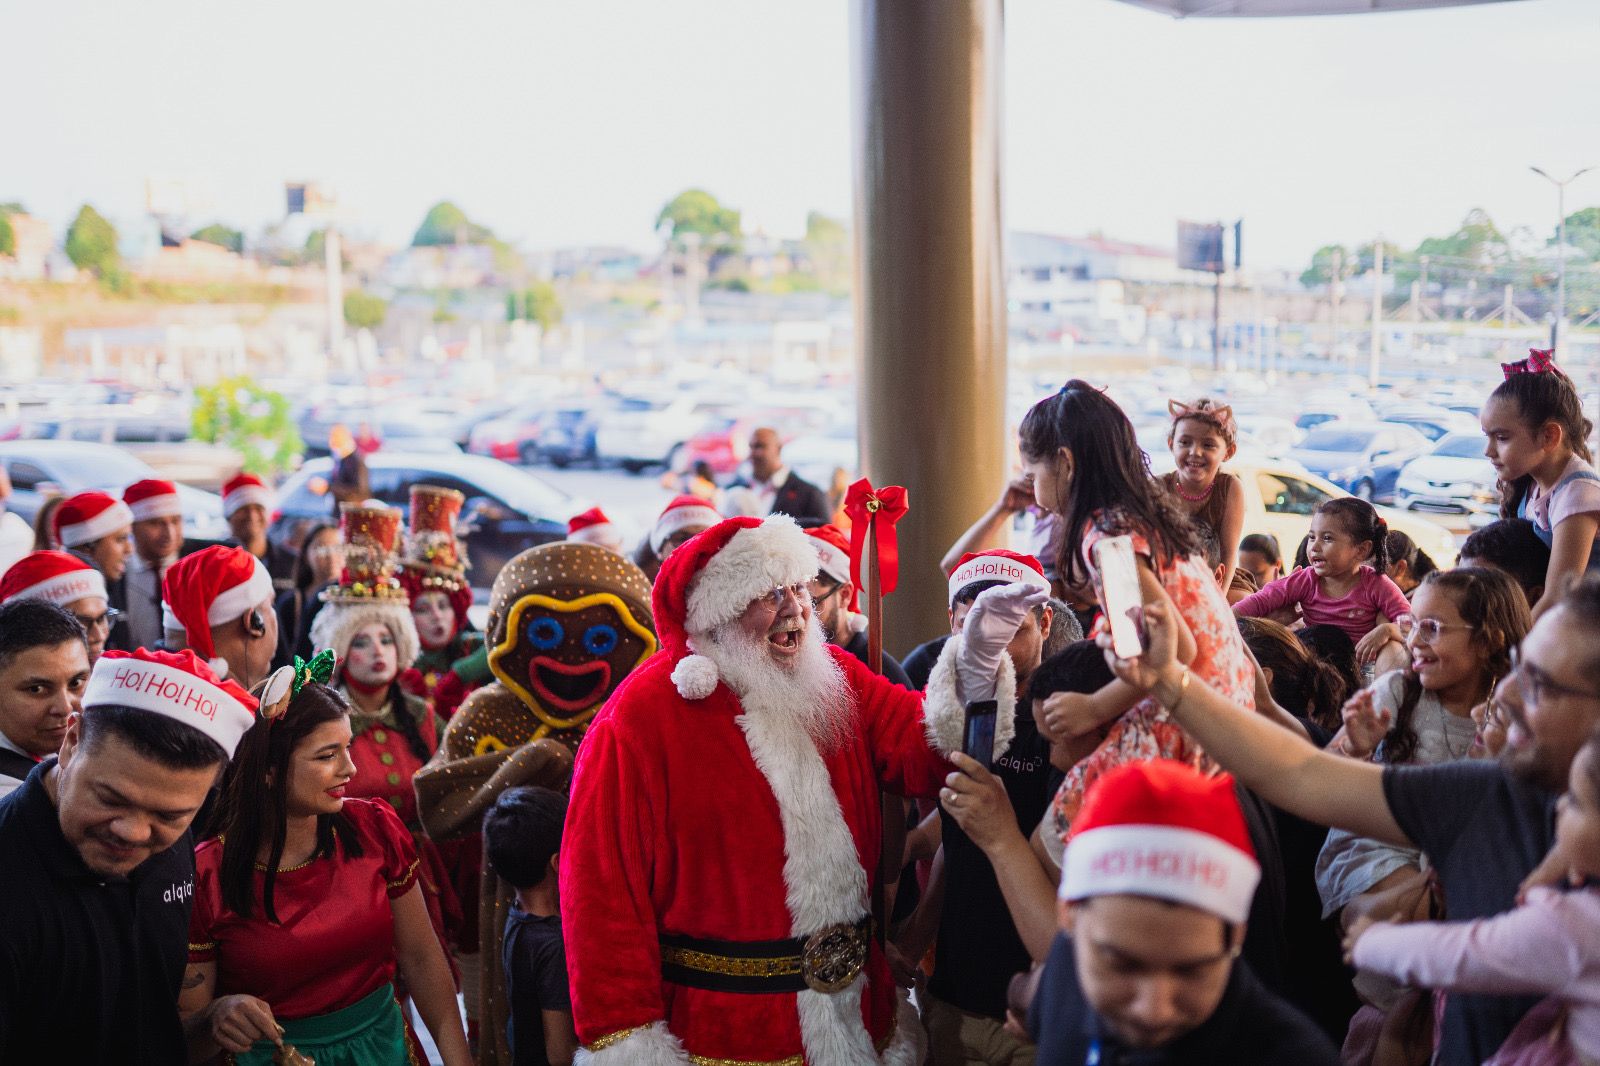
(836, 604)
(44, 666)
(1483, 825)
(68, 582)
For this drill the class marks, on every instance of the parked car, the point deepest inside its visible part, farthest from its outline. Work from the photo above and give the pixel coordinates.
(1279, 499)
(647, 431)
(569, 434)
(419, 433)
(1454, 478)
(40, 469)
(159, 438)
(1363, 458)
(1315, 414)
(510, 438)
(1432, 422)
(507, 509)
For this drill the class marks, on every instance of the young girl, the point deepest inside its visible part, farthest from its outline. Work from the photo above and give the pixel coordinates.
(1463, 626)
(1344, 583)
(306, 905)
(1408, 564)
(1080, 453)
(1259, 553)
(1541, 948)
(1538, 445)
(1202, 438)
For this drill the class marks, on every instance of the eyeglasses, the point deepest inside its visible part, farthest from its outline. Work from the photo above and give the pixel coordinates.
(776, 598)
(820, 590)
(1427, 630)
(108, 619)
(1535, 684)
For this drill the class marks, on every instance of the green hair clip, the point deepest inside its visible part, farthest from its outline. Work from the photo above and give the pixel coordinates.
(287, 681)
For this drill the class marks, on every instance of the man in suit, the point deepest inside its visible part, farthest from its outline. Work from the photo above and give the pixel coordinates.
(157, 542)
(775, 489)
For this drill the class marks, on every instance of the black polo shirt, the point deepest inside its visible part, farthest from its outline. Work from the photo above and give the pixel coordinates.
(89, 966)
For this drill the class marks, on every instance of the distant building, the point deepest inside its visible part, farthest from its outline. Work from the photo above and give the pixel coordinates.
(30, 261)
(1042, 257)
(198, 261)
(445, 266)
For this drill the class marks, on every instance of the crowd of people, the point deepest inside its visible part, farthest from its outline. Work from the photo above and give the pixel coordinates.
(673, 804)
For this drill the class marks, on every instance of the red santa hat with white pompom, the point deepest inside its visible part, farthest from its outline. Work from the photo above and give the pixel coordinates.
(593, 527)
(833, 560)
(176, 685)
(153, 498)
(88, 516)
(55, 577)
(1160, 828)
(242, 490)
(684, 512)
(212, 587)
(712, 578)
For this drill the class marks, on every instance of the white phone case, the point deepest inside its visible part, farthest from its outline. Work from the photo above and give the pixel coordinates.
(1119, 583)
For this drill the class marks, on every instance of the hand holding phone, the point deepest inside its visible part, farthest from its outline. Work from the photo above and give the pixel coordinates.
(1124, 602)
(978, 736)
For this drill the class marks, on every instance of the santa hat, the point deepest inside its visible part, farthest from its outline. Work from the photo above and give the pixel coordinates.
(996, 564)
(592, 527)
(1160, 828)
(88, 516)
(212, 587)
(833, 555)
(714, 577)
(56, 577)
(368, 592)
(684, 512)
(153, 498)
(242, 491)
(177, 685)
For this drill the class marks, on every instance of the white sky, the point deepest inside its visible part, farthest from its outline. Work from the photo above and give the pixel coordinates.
(572, 122)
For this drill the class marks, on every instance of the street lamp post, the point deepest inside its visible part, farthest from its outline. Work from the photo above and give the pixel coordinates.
(1556, 327)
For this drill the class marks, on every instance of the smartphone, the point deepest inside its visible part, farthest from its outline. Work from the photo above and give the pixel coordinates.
(978, 737)
(1124, 603)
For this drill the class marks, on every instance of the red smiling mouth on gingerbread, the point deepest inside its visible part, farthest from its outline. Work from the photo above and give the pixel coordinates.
(568, 687)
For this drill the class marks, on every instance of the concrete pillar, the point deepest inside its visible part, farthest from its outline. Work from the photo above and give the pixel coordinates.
(930, 295)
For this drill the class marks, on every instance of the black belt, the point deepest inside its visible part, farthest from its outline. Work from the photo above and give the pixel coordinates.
(826, 961)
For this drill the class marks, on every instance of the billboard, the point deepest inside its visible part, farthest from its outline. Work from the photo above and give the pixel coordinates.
(308, 198)
(1200, 247)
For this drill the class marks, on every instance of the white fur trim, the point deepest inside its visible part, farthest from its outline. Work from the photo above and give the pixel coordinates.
(65, 588)
(603, 534)
(653, 1045)
(675, 518)
(1182, 865)
(108, 521)
(910, 1044)
(695, 677)
(244, 496)
(994, 568)
(167, 505)
(753, 563)
(856, 623)
(168, 691)
(824, 882)
(944, 713)
(233, 603)
(336, 624)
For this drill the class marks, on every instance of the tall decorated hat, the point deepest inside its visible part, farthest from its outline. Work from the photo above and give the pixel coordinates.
(369, 588)
(433, 558)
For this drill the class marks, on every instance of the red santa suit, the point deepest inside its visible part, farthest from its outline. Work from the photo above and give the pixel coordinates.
(706, 840)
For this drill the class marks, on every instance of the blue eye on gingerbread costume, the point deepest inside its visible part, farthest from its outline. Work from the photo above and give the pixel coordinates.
(600, 640)
(546, 633)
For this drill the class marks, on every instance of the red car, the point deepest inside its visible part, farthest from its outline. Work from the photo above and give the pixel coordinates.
(514, 438)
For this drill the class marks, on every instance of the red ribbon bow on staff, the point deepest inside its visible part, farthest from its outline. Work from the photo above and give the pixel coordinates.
(1539, 361)
(878, 509)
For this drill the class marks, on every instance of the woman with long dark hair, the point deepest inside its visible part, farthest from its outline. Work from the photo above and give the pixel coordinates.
(307, 905)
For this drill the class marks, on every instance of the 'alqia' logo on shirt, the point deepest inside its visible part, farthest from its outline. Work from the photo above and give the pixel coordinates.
(177, 893)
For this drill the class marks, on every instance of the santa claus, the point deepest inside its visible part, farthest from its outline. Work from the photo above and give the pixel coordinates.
(723, 831)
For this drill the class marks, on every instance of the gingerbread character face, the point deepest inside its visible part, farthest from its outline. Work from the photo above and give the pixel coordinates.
(564, 656)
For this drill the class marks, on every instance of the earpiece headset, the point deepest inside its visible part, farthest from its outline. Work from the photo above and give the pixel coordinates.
(255, 624)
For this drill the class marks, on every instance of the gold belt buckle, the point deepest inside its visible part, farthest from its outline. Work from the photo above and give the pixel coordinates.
(833, 957)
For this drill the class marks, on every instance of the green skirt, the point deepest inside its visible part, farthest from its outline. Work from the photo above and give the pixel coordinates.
(370, 1032)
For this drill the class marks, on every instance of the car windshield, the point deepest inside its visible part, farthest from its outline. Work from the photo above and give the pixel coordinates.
(1461, 446)
(100, 469)
(1336, 440)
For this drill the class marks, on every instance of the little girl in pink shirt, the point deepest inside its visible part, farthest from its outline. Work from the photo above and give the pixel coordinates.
(1345, 584)
(1544, 947)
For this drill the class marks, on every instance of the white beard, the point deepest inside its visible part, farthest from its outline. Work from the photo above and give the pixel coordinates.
(813, 690)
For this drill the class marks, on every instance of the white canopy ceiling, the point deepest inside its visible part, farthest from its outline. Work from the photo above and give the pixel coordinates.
(1259, 8)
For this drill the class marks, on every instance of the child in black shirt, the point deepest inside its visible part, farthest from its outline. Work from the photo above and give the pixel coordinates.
(522, 838)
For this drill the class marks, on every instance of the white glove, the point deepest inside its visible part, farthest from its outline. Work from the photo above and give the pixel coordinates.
(986, 632)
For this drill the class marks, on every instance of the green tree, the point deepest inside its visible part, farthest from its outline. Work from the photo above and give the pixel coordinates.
(364, 310)
(1477, 239)
(8, 237)
(92, 243)
(697, 211)
(221, 236)
(1583, 231)
(446, 223)
(538, 303)
(253, 421)
(1320, 272)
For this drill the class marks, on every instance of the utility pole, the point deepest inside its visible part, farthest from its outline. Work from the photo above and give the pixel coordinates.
(1335, 294)
(1557, 328)
(1376, 350)
(1216, 324)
